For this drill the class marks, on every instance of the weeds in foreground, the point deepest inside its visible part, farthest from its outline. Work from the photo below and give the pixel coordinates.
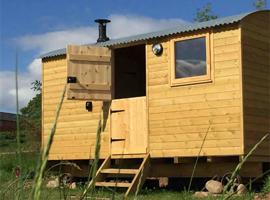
(45, 152)
(240, 165)
(266, 186)
(19, 153)
(93, 170)
(197, 159)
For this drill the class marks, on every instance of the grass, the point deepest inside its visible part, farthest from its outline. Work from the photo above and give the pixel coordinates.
(266, 186)
(53, 194)
(45, 152)
(9, 162)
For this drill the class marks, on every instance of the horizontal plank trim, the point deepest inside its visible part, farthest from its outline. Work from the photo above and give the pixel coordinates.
(196, 144)
(79, 136)
(194, 98)
(89, 58)
(194, 136)
(230, 128)
(194, 106)
(79, 143)
(213, 151)
(89, 86)
(76, 156)
(195, 121)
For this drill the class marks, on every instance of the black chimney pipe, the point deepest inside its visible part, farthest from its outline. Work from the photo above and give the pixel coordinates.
(102, 29)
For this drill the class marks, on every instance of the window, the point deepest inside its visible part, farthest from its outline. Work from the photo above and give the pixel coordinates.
(190, 60)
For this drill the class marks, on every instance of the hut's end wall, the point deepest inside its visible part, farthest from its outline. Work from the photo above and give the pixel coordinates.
(75, 135)
(255, 30)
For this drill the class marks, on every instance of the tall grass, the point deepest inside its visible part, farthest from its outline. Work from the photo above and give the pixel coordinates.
(197, 159)
(45, 152)
(240, 165)
(93, 170)
(18, 138)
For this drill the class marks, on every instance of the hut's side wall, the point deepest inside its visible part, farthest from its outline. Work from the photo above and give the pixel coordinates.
(256, 80)
(180, 117)
(76, 127)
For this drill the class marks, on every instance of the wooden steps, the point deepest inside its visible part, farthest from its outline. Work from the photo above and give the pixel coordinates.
(136, 177)
(119, 171)
(112, 184)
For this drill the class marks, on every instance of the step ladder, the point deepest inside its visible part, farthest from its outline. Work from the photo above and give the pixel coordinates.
(136, 176)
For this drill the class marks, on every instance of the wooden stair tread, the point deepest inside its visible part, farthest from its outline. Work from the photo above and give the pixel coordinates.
(119, 171)
(112, 184)
(138, 175)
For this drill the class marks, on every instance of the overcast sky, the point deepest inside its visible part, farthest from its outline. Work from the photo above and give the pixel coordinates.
(39, 26)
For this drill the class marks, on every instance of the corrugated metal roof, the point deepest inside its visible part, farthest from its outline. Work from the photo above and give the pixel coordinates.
(57, 52)
(163, 33)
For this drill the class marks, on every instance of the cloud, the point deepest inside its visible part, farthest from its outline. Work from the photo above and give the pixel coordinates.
(58, 39)
(34, 69)
(121, 26)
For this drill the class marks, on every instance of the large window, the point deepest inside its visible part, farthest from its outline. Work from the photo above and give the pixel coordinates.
(190, 60)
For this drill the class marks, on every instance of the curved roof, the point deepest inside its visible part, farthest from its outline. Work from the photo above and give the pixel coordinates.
(158, 34)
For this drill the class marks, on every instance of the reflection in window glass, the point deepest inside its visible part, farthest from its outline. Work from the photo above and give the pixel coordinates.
(190, 58)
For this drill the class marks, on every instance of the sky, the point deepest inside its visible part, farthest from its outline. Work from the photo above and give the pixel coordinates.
(33, 27)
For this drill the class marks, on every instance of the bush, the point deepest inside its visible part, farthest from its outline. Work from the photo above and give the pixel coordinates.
(266, 186)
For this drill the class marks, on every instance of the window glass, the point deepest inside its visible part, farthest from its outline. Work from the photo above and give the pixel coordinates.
(190, 58)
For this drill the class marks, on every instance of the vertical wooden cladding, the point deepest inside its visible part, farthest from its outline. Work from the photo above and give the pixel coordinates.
(91, 65)
(76, 128)
(129, 126)
(256, 80)
(179, 117)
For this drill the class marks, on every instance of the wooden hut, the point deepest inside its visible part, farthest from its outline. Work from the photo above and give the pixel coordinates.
(197, 90)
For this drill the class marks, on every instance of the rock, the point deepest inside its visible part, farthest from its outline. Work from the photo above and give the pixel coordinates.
(262, 196)
(53, 183)
(214, 187)
(201, 194)
(163, 182)
(72, 185)
(241, 189)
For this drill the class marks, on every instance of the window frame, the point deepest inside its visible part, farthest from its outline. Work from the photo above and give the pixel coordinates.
(194, 79)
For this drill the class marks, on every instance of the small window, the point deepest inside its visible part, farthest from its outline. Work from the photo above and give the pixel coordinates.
(190, 60)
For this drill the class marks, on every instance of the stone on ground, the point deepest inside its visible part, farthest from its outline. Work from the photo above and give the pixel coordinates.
(201, 194)
(214, 187)
(163, 182)
(72, 185)
(53, 183)
(241, 189)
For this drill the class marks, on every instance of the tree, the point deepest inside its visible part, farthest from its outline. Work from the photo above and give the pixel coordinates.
(31, 114)
(205, 13)
(259, 4)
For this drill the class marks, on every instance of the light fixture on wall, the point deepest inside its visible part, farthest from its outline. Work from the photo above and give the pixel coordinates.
(71, 79)
(89, 106)
(157, 49)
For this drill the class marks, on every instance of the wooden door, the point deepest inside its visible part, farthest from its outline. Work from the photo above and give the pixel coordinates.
(129, 126)
(88, 72)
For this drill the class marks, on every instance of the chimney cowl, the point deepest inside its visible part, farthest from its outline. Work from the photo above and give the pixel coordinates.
(102, 30)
